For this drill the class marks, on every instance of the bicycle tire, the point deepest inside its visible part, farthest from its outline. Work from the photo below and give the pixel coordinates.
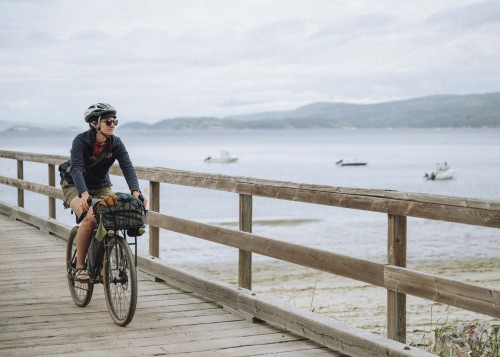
(80, 292)
(120, 282)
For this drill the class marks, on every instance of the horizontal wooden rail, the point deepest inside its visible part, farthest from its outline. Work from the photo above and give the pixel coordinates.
(431, 287)
(33, 157)
(32, 186)
(402, 280)
(397, 205)
(451, 209)
(354, 268)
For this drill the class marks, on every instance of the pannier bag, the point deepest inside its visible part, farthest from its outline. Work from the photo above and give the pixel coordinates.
(121, 211)
(64, 172)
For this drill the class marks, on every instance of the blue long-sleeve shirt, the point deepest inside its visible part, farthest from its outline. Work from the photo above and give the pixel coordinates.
(98, 176)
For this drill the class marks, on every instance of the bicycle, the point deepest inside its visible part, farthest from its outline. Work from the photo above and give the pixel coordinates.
(109, 260)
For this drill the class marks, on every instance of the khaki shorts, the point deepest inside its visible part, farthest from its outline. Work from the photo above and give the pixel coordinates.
(71, 192)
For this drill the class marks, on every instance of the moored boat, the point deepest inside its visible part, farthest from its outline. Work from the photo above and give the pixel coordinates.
(351, 163)
(443, 172)
(224, 158)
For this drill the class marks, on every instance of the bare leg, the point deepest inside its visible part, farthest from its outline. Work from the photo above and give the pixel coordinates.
(84, 235)
(83, 238)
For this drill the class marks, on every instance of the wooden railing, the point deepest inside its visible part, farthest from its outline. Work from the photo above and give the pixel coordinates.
(397, 206)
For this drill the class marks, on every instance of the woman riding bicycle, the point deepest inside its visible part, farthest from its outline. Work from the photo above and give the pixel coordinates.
(92, 154)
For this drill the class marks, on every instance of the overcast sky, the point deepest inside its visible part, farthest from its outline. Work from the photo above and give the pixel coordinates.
(157, 59)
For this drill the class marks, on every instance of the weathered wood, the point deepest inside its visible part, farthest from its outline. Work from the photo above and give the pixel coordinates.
(398, 205)
(52, 182)
(354, 268)
(319, 328)
(447, 291)
(34, 157)
(154, 206)
(245, 257)
(370, 272)
(396, 302)
(46, 224)
(37, 321)
(453, 209)
(418, 205)
(32, 186)
(20, 176)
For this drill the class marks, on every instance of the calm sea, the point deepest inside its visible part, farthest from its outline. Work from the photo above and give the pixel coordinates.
(397, 160)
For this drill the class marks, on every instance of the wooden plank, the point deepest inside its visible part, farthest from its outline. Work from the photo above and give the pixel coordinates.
(328, 332)
(453, 209)
(32, 186)
(37, 321)
(34, 157)
(47, 224)
(20, 176)
(245, 257)
(354, 268)
(396, 301)
(455, 293)
(154, 232)
(52, 182)
(334, 263)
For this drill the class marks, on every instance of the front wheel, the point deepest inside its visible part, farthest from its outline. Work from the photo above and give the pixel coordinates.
(80, 292)
(120, 282)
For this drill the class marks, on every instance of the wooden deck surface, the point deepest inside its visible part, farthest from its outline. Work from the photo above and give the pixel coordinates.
(38, 316)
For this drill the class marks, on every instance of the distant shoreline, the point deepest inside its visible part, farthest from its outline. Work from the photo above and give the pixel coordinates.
(127, 130)
(437, 111)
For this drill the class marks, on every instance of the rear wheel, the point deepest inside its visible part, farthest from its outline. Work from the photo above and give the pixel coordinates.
(80, 292)
(120, 282)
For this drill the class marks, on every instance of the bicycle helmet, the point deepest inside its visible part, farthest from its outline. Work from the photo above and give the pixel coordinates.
(99, 110)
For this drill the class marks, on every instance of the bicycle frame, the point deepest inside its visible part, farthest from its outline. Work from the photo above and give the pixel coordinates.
(98, 250)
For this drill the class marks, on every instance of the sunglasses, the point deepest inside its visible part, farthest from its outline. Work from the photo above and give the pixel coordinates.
(111, 121)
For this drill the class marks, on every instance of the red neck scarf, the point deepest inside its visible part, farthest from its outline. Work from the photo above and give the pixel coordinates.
(98, 146)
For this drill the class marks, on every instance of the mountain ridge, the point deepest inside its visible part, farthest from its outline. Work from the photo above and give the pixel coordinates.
(436, 111)
(473, 110)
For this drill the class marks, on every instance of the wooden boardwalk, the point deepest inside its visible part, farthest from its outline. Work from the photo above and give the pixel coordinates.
(38, 316)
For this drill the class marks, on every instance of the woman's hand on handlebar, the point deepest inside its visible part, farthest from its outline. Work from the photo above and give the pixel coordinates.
(84, 201)
(140, 197)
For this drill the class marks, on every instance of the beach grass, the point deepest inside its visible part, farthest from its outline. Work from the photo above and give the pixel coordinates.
(472, 339)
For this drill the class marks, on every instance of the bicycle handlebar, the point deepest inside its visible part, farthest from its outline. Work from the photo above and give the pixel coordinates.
(89, 202)
(84, 213)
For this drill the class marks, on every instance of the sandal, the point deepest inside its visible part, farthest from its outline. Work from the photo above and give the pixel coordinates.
(81, 275)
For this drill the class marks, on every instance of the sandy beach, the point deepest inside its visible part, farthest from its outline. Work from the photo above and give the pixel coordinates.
(360, 304)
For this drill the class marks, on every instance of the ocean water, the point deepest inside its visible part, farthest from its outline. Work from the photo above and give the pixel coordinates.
(397, 160)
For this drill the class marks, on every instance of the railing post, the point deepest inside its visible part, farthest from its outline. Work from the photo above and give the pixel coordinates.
(245, 258)
(154, 232)
(52, 182)
(396, 302)
(20, 176)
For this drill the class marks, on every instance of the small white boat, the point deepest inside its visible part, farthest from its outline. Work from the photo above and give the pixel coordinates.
(443, 172)
(351, 163)
(224, 158)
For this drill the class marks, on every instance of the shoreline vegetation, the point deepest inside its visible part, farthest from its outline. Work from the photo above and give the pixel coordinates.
(363, 305)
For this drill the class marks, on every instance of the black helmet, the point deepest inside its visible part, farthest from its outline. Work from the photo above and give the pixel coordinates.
(99, 110)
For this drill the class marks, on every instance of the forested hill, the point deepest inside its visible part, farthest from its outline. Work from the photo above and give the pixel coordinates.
(435, 111)
(478, 110)
(440, 111)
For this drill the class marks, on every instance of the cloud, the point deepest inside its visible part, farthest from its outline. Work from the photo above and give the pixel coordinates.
(468, 16)
(159, 59)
